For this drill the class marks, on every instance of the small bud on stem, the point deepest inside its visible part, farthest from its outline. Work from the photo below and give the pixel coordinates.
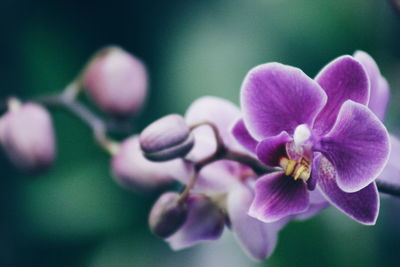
(167, 138)
(167, 215)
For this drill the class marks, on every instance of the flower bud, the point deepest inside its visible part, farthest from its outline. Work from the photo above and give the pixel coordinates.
(167, 138)
(167, 215)
(132, 170)
(116, 81)
(26, 135)
(205, 221)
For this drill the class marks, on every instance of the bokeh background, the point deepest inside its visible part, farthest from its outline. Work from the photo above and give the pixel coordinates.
(76, 215)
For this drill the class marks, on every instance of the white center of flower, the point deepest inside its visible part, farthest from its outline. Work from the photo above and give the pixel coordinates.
(301, 134)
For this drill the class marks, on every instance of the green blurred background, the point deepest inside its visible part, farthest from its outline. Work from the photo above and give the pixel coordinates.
(77, 216)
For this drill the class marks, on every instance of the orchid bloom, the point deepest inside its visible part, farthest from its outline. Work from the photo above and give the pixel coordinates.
(227, 184)
(223, 190)
(318, 133)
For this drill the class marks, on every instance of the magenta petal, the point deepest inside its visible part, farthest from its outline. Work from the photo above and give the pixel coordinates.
(243, 136)
(379, 93)
(257, 238)
(357, 146)
(205, 221)
(362, 206)
(272, 149)
(342, 79)
(277, 196)
(276, 98)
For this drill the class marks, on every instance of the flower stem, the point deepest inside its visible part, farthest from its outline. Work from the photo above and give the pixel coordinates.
(217, 135)
(98, 126)
(247, 160)
(188, 187)
(388, 188)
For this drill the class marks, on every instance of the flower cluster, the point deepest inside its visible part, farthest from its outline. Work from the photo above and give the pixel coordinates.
(296, 146)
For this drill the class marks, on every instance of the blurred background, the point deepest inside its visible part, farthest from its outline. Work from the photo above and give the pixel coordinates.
(76, 215)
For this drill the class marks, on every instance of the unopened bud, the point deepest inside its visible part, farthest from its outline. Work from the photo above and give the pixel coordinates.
(205, 221)
(167, 215)
(116, 81)
(167, 138)
(27, 137)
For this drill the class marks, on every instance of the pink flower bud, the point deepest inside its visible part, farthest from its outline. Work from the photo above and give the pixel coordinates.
(27, 137)
(167, 138)
(116, 81)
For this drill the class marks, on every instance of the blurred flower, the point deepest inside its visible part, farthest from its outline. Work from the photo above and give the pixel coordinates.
(223, 190)
(379, 98)
(27, 136)
(132, 170)
(379, 87)
(391, 173)
(319, 132)
(167, 138)
(116, 81)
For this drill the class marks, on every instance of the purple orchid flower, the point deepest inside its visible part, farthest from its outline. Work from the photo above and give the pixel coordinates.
(230, 187)
(320, 133)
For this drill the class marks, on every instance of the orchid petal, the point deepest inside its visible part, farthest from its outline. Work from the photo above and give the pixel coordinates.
(362, 206)
(276, 98)
(277, 196)
(317, 203)
(272, 149)
(243, 136)
(312, 210)
(391, 173)
(357, 146)
(342, 79)
(379, 93)
(258, 239)
(222, 113)
(218, 177)
(205, 221)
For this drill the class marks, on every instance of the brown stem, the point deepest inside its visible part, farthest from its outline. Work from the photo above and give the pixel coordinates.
(214, 128)
(188, 187)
